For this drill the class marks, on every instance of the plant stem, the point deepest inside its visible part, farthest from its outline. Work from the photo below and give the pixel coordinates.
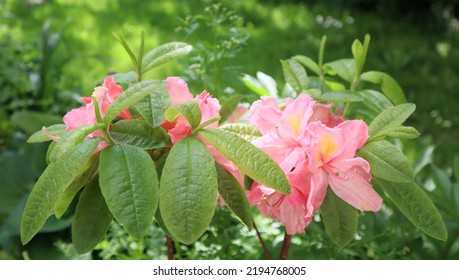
(285, 246)
(170, 248)
(263, 245)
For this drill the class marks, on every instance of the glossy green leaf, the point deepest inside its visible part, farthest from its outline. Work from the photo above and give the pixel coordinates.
(129, 184)
(390, 119)
(229, 106)
(401, 132)
(308, 63)
(387, 162)
(190, 110)
(295, 75)
(56, 130)
(248, 158)
(375, 101)
(138, 133)
(388, 85)
(340, 219)
(153, 106)
(234, 196)
(163, 54)
(50, 186)
(80, 181)
(344, 68)
(71, 139)
(92, 219)
(243, 130)
(340, 96)
(188, 191)
(416, 206)
(130, 96)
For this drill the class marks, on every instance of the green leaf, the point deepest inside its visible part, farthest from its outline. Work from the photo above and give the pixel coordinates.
(243, 130)
(359, 53)
(388, 85)
(130, 96)
(268, 83)
(234, 196)
(402, 132)
(416, 206)
(345, 68)
(340, 96)
(390, 119)
(138, 133)
(254, 84)
(51, 184)
(129, 184)
(31, 122)
(295, 75)
(387, 162)
(190, 110)
(120, 39)
(125, 78)
(160, 221)
(92, 219)
(163, 54)
(153, 106)
(188, 192)
(71, 139)
(308, 62)
(340, 219)
(248, 158)
(56, 130)
(80, 181)
(375, 101)
(456, 167)
(229, 106)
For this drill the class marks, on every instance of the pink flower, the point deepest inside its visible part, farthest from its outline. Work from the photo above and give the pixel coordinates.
(178, 90)
(333, 156)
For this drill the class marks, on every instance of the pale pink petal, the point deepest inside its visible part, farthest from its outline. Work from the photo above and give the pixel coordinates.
(264, 114)
(318, 189)
(210, 108)
(295, 117)
(326, 144)
(355, 135)
(178, 90)
(114, 90)
(350, 180)
(181, 129)
(240, 111)
(292, 217)
(79, 117)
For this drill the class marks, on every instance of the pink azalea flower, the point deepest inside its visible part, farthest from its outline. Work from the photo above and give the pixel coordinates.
(333, 156)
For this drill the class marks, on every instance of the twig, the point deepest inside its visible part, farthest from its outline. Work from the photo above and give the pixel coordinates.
(170, 248)
(285, 247)
(263, 245)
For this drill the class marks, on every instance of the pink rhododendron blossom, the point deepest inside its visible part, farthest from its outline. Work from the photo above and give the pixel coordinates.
(315, 148)
(240, 111)
(178, 90)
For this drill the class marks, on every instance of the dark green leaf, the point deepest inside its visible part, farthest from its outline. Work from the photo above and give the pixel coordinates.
(188, 191)
(345, 68)
(130, 96)
(92, 219)
(129, 184)
(50, 186)
(80, 181)
(390, 119)
(153, 106)
(375, 101)
(340, 219)
(138, 133)
(248, 158)
(234, 196)
(340, 96)
(190, 110)
(388, 85)
(56, 130)
(229, 106)
(243, 130)
(387, 162)
(163, 54)
(295, 75)
(416, 206)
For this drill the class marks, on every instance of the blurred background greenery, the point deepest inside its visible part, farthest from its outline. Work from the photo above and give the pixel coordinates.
(54, 51)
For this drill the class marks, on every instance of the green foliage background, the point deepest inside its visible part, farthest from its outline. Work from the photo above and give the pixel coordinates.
(53, 51)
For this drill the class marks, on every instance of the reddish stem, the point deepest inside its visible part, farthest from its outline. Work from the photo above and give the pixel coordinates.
(263, 245)
(170, 248)
(285, 247)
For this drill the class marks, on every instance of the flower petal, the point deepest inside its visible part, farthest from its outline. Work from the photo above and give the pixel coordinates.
(178, 90)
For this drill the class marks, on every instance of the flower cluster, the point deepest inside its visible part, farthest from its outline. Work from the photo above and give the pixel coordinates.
(316, 149)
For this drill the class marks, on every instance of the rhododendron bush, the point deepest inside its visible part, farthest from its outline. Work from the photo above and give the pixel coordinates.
(153, 151)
